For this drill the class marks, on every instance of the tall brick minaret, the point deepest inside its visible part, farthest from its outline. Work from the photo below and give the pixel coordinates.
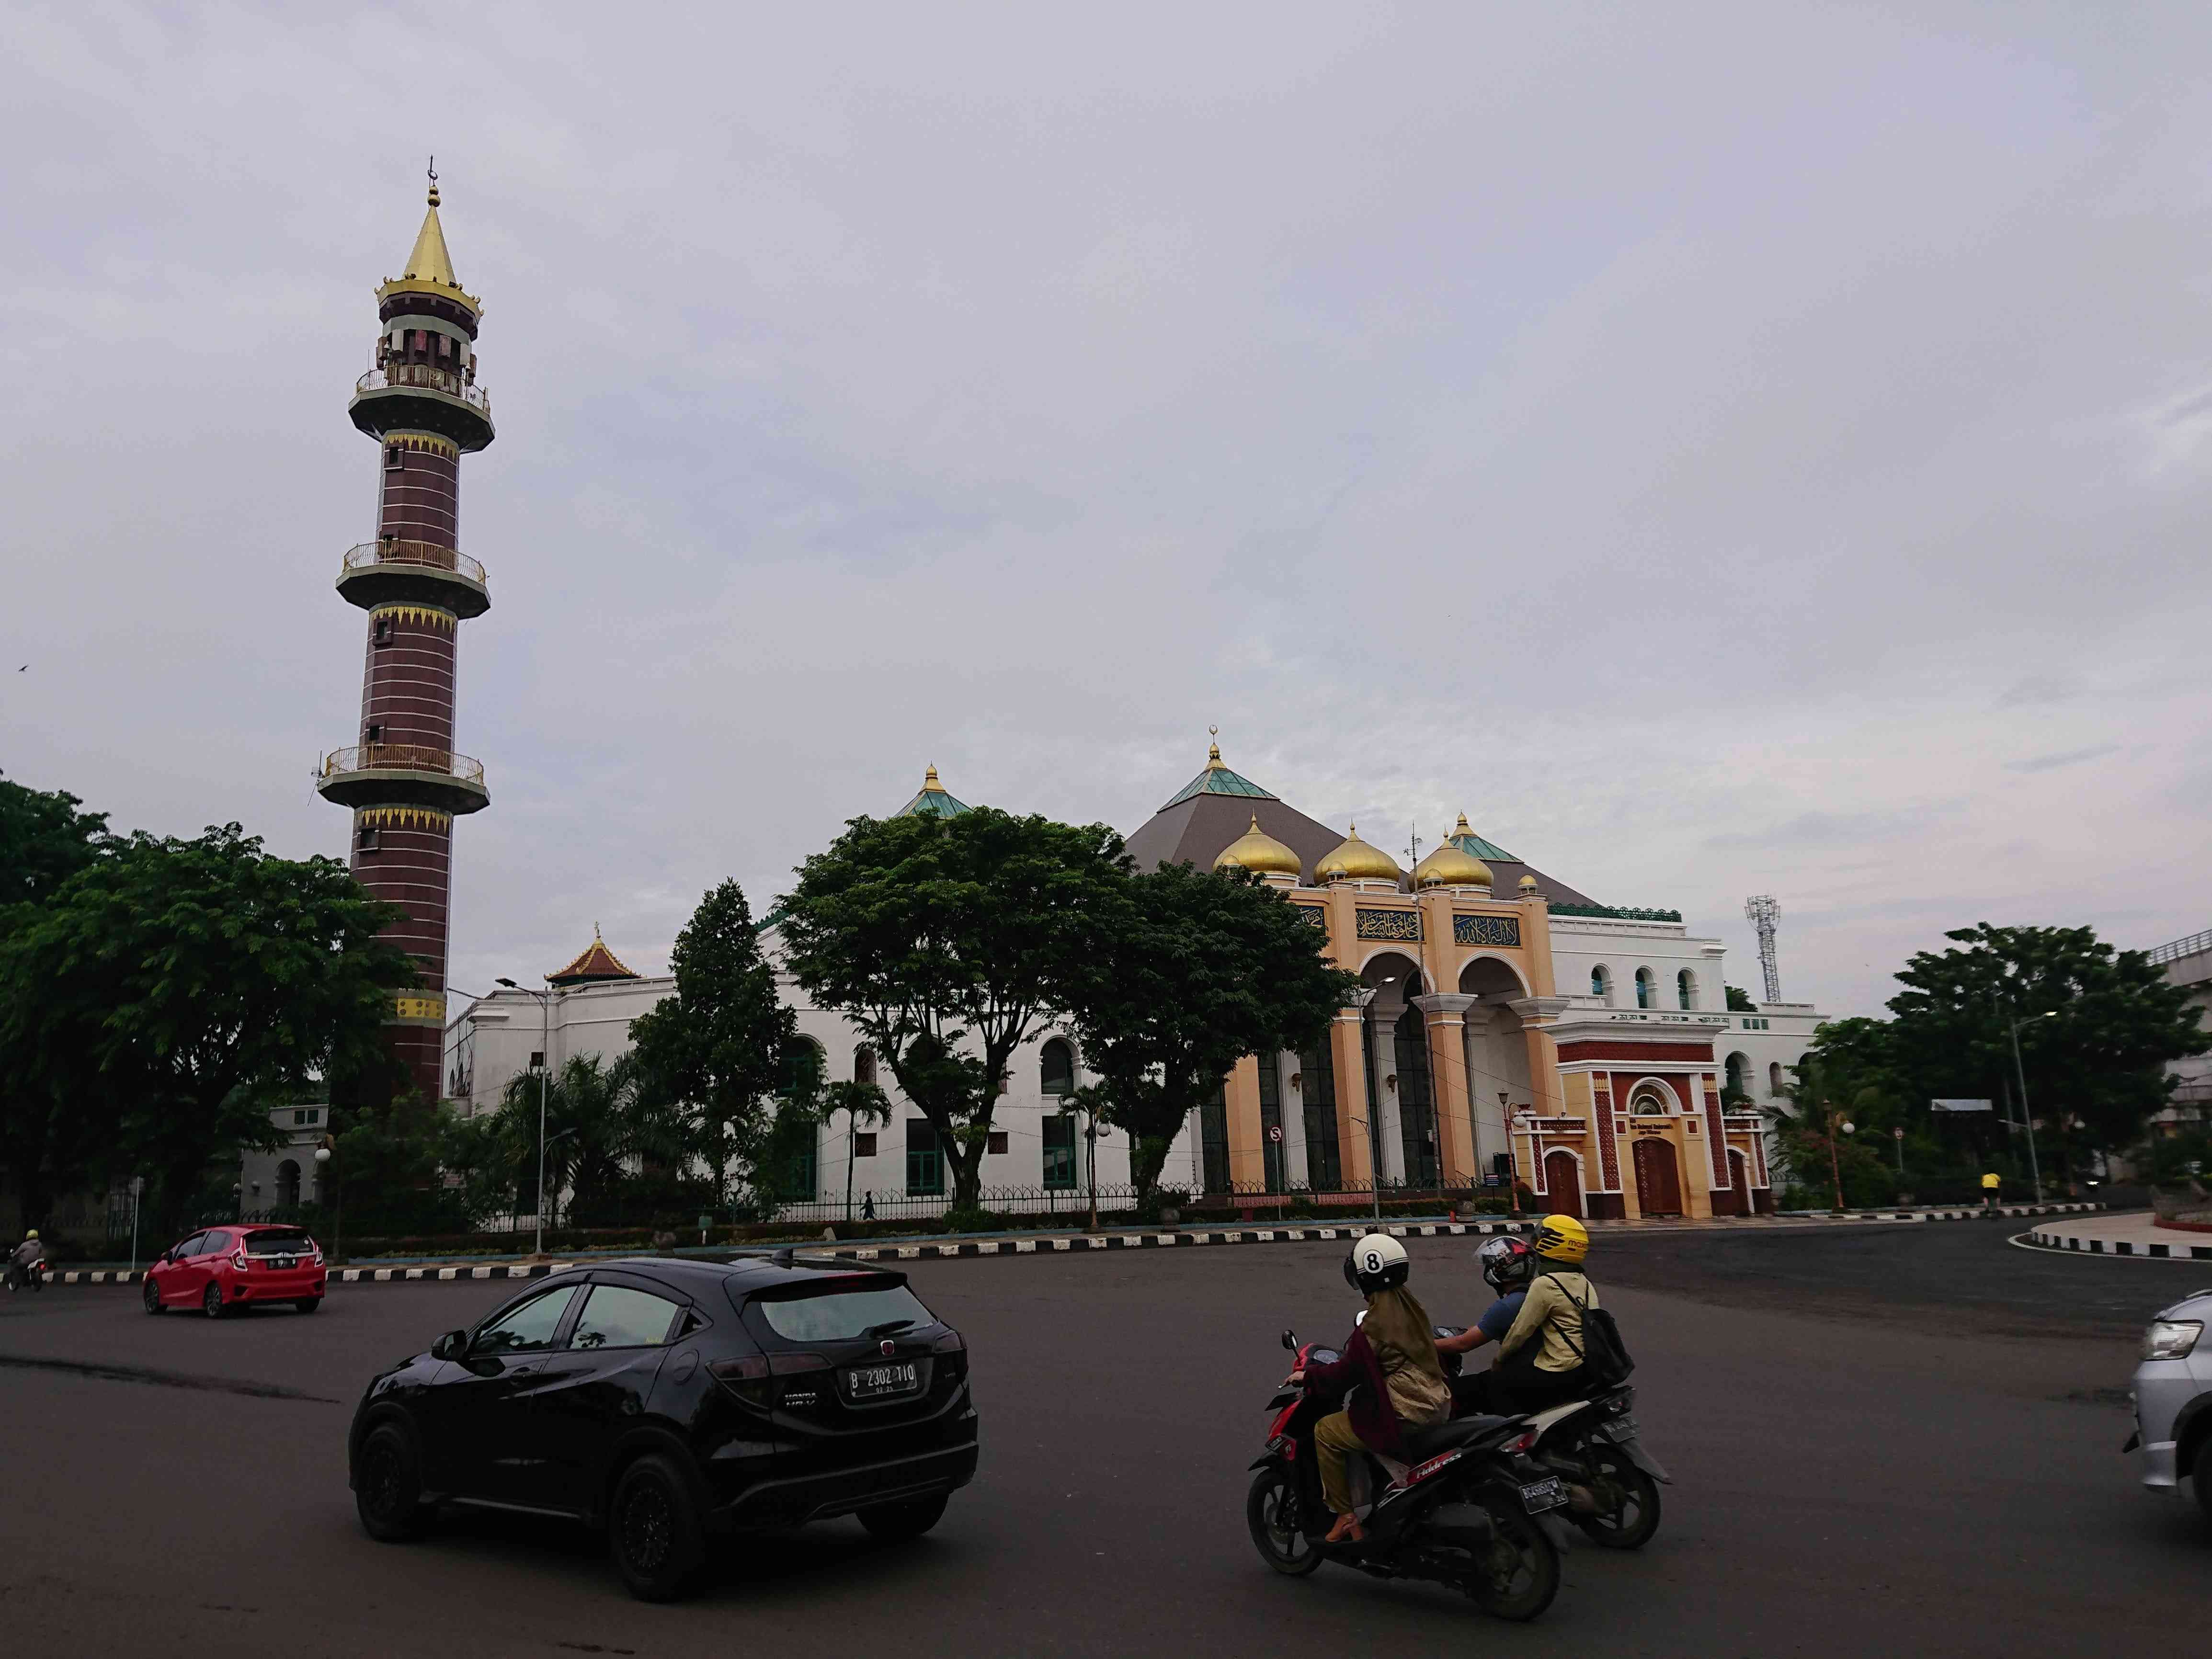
(421, 401)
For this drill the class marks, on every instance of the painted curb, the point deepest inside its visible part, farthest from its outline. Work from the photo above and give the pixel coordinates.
(2045, 1239)
(1057, 1243)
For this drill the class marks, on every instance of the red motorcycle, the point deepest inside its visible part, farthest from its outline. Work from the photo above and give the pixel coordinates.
(1471, 1510)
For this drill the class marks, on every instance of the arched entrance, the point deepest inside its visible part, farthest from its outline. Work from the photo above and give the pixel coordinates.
(1402, 1130)
(1563, 1184)
(1497, 1052)
(1739, 1168)
(1658, 1177)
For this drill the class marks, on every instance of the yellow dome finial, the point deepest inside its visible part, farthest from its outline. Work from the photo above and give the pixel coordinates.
(1259, 853)
(434, 181)
(1214, 753)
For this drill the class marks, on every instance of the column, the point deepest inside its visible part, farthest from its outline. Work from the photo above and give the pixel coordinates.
(1352, 1107)
(1446, 1013)
(1294, 1120)
(1389, 1120)
(1248, 1170)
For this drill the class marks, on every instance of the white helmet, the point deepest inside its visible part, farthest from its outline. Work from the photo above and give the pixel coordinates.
(1378, 1262)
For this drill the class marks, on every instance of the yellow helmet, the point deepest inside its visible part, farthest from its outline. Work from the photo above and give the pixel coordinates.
(1562, 1239)
(34, 1233)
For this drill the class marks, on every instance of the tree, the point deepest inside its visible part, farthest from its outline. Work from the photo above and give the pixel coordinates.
(948, 941)
(44, 840)
(172, 991)
(592, 1123)
(2095, 1066)
(1739, 1000)
(714, 1051)
(1188, 972)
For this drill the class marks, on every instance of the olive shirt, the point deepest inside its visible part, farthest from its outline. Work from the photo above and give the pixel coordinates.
(1549, 1312)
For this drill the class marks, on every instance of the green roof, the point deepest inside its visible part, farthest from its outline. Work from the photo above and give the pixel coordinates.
(933, 802)
(1471, 843)
(1219, 779)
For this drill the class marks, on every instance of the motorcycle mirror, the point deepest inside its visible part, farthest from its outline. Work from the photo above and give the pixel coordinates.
(1290, 1341)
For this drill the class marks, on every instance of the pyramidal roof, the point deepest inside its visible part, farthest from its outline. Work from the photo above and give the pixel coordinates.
(934, 802)
(1468, 842)
(1217, 780)
(596, 964)
(430, 262)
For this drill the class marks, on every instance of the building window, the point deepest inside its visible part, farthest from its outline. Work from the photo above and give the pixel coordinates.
(1601, 986)
(288, 1185)
(394, 460)
(1686, 989)
(368, 840)
(864, 1065)
(1056, 1068)
(1738, 1069)
(1060, 1152)
(1316, 1082)
(1213, 1136)
(382, 632)
(864, 1144)
(925, 1159)
(536, 1059)
(1774, 1077)
(1645, 990)
(1272, 1147)
(996, 1144)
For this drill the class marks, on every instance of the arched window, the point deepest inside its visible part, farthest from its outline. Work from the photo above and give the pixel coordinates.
(1686, 989)
(1601, 986)
(1650, 1100)
(1774, 1077)
(1739, 1068)
(864, 1064)
(288, 1185)
(1056, 1068)
(1646, 989)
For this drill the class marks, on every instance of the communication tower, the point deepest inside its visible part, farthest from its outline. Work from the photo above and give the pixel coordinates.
(1764, 913)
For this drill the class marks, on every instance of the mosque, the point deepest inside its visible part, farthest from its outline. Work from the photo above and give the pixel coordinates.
(1508, 1028)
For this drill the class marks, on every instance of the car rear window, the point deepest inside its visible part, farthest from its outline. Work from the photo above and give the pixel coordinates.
(279, 1241)
(838, 1316)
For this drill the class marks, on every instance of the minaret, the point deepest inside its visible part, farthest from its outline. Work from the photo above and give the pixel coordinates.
(421, 401)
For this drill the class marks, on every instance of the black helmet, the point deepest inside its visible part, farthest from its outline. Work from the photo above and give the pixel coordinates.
(1378, 1262)
(1508, 1263)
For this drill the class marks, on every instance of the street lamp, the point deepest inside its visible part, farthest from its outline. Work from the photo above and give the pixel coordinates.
(1361, 998)
(1835, 1165)
(544, 1065)
(323, 1159)
(2028, 1118)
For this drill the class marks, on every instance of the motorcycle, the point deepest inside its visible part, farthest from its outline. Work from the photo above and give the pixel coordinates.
(1613, 1483)
(1472, 1511)
(34, 1275)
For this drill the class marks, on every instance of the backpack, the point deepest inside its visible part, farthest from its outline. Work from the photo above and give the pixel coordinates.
(1604, 1355)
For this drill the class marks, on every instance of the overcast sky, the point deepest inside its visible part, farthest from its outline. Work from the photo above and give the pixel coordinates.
(1721, 449)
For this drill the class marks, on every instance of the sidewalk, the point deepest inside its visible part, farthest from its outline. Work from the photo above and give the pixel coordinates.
(945, 1247)
(2128, 1234)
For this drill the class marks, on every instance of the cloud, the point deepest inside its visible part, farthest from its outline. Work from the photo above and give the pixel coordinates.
(2066, 757)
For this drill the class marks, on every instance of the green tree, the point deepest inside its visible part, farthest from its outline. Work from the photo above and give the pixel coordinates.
(712, 1054)
(592, 1122)
(1739, 1000)
(1188, 971)
(389, 1152)
(948, 941)
(171, 991)
(44, 840)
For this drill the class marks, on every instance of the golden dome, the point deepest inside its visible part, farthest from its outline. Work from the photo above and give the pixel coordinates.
(1355, 860)
(1449, 867)
(1528, 883)
(1259, 853)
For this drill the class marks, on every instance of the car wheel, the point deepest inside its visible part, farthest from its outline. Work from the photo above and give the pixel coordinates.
(151, 1295)
(387, 1485)
(893, 1523)
(211, 1302)
(654, 1531)
(2200, 1475)
(308, 1303)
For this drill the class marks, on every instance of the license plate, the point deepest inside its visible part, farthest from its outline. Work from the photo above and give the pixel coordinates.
(1622, 1428)
(1541, 1495)
(870, 1382)
(286, 1261)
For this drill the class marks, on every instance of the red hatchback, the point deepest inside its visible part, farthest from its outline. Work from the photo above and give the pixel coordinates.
(227, 1267)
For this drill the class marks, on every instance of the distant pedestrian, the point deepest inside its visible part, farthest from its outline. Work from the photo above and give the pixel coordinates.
(1990, 1186)
(868, 1207)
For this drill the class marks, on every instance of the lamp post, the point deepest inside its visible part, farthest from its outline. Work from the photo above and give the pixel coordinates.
(2026, 1117)
(1835, 1164)
(325, 1158)
(137, 1190)
(1360, 998)
(545, 1067)
(1513, 1176)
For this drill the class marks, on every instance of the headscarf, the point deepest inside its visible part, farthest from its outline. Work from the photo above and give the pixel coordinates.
(1397, 1322)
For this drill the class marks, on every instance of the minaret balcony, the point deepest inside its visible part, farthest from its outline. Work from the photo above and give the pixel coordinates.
(423, 398)
(403, 774)
(394, 571)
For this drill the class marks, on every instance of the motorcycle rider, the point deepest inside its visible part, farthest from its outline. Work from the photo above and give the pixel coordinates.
(27, 1256)
(1392, 1351)
(1507, 1265)
(1540, 1359)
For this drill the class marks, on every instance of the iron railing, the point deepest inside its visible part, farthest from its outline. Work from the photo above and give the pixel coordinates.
(2195, 944)
(426, 378)
(402, 757)
(427, 555)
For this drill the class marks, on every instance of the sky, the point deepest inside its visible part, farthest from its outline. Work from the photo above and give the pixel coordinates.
(1720, 448)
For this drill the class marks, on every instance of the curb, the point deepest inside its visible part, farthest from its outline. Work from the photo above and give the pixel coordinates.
(2046, 1239)
(1055, 1244)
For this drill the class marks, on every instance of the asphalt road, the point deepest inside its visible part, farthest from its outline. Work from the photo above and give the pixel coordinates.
(1898, 1440)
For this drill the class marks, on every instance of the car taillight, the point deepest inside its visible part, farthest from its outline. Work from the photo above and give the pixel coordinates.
(747, 1378)
(238, 1258)
(952, 1365)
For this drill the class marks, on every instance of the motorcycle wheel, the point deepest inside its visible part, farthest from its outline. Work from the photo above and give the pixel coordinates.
(1272, 1509)
(1516, 1574)
(1628, 1524)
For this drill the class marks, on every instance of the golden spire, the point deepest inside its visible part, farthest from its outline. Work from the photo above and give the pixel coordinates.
(1214, 753)
(929, 781)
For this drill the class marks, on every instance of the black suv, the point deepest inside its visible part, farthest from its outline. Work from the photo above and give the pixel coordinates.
(667, 1400)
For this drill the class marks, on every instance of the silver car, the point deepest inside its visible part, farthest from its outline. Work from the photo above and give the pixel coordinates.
(2172, 1399)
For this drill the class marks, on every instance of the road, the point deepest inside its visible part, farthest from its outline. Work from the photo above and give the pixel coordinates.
(1904, 1440)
